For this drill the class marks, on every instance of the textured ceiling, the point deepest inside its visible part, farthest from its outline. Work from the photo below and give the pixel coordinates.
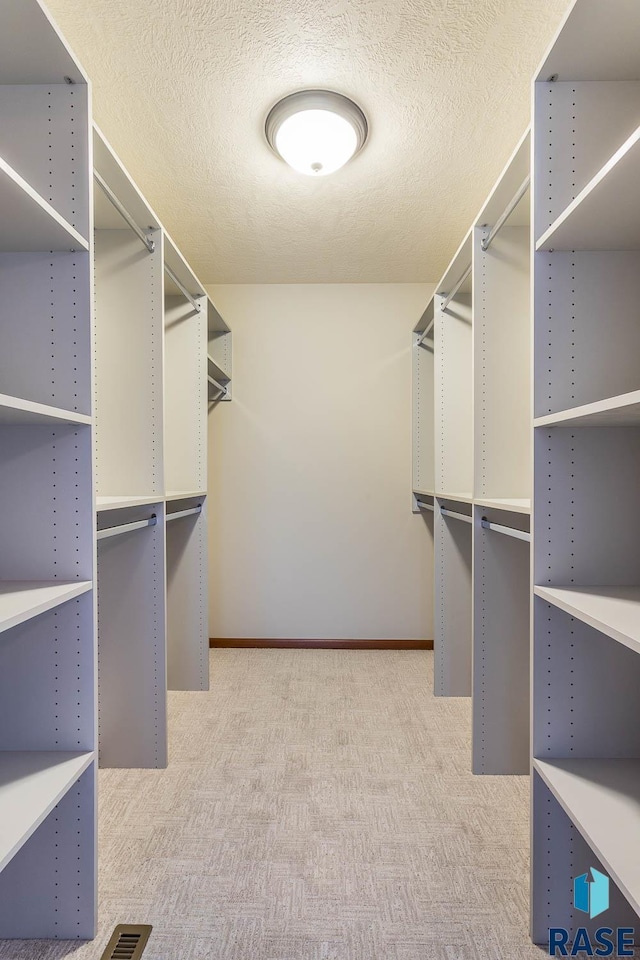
(182, 87)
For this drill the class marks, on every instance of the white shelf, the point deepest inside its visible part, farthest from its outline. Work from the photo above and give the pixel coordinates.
(121, 503)
(14, 410)
(602, 798)
(504, 503)
(424, 493)
(216, 371)
(20, 600)
(456, 497)
(31, 784)
(623, 411)
(31, 224)
(615, 611)
(461, 260)
(184, 494)
(177, 263)
(215, 322)
(606, 214)
(426, 317)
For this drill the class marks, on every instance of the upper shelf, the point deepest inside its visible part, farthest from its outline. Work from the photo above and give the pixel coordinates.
(215, 323)
(30, 224)
(21, 600)
(185, 494)
(511, 505)
(511, 179)
(426, 317)
(606, 214)
(461, 261)
(107, 165)
(614, 611)
(597, 41)
(31, 784)
(179, 266)
(122, 503)
(602, 798)
(14, 410)
(455, 497)
(32, 49)
(622, 411)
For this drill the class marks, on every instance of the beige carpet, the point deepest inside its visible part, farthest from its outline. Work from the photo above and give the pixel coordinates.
(318, 806)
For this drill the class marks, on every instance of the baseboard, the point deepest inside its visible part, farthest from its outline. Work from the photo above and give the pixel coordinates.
(328, 644)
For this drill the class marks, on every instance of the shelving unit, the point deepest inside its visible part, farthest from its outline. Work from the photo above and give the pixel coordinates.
(47, 637)
(219, 356)
(129, 405)
(187, 317)
(586, 746)
(502, 471)
(453, 472)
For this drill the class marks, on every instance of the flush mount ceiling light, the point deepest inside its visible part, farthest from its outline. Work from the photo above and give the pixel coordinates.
(316, 131)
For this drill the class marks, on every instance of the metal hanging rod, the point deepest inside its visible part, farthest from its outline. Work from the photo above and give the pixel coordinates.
(223, 390)
(449, 297)
(126, 528)
(500, 222)
(184, 513)
(124, 213)
(183, 290)
(425, 333)
(425, 506)
(508, 531)
(456, 516)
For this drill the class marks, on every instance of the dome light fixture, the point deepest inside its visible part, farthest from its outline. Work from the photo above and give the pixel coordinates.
(316, 131)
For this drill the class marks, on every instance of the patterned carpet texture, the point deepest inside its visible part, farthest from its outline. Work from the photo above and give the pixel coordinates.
(318, 805)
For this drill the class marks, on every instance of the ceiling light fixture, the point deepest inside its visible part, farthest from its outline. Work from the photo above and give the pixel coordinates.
(316, 131)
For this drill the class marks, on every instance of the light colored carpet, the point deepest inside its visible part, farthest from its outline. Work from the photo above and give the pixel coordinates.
(318, 805)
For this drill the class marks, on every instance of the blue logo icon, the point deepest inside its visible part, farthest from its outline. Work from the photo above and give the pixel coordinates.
(591, 896)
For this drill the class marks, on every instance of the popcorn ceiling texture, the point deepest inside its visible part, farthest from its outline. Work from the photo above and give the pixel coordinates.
(182, 88)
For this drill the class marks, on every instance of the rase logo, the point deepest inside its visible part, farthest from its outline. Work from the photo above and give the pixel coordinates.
(591, 896)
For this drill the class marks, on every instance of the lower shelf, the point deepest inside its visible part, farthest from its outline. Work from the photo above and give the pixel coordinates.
(602, 798)
(614, 611)
(20, 600)
(31, 784)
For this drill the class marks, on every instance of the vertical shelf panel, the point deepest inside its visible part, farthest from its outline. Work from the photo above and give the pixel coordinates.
(502, 377)
(128, 365)
(132, 700)
(45, 338)
(187, 605)
(501, 743)
(454, 397)
(452, 642)
(423, 417)
(185, 395)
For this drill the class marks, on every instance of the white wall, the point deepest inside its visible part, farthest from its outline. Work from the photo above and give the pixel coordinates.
(312, 534)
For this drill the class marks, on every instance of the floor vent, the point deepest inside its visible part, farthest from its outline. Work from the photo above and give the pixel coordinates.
(128, 941)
